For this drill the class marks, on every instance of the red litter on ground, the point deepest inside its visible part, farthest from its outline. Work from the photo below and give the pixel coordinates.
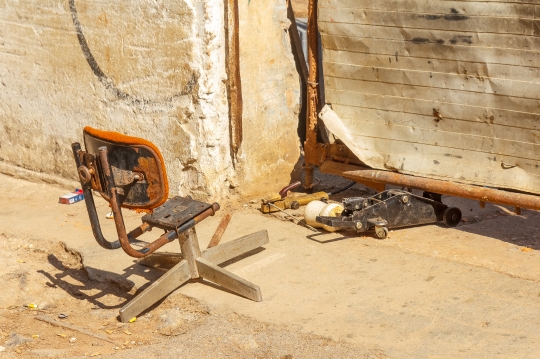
(73, 197)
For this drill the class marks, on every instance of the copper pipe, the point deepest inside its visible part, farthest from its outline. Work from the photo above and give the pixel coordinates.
(365, 174)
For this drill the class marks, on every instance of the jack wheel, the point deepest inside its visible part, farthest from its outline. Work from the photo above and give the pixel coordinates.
(295, 205)
(452, 216)
(381, 232)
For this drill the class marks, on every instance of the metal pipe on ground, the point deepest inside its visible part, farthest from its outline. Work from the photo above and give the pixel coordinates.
(369, 175)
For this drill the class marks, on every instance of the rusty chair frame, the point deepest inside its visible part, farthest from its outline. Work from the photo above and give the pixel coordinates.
(96, 173)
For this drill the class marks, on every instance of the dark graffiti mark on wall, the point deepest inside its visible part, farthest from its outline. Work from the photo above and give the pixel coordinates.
(465, 39)
(422, 40)
(108, 83)
(461, 38)
(453, 16)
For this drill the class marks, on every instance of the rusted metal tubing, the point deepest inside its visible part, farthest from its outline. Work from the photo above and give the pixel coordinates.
(192, 222)
(139, 231)
(365, 174)
(234, 83)
(284, 190)
(219, 231)
(312, 94)
(123, 237)
(308, 179)
(91, 207)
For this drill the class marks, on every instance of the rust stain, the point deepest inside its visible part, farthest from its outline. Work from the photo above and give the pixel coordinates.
(148, 166)
(290, 98)
(135, 141)
(103, 18)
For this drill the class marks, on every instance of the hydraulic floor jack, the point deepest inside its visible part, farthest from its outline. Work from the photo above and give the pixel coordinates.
(392, 209)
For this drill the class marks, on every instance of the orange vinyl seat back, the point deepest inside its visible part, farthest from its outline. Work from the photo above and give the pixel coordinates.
(131, 158)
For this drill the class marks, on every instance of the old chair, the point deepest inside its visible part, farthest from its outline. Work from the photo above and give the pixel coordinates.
(129, 172)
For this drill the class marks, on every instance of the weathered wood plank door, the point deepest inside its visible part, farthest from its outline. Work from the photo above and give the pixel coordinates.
(439, 89)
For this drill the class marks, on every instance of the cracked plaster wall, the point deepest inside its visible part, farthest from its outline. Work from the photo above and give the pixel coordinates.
(153, 69)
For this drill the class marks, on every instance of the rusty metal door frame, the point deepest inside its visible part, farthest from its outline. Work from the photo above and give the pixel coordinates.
(339, 160)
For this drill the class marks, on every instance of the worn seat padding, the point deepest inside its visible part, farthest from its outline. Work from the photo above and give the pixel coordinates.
(122, 139)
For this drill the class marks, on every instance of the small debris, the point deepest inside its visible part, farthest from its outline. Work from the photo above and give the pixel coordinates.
(62, 316)
(61, 335)
(71, 198)
(109, 216)
(526, 249)
(35, 336)
(72, 327)
(72, 340)
(108, 331)
(127, 332)
(32, 306)
(95, 354)
(2, 349)
(132, 320)
(20, 261)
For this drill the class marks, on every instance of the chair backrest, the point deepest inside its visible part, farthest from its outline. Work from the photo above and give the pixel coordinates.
(137, 168)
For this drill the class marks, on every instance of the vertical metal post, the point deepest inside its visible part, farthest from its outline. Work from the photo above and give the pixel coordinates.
(190, 250)
(234, 84)
(312, 93)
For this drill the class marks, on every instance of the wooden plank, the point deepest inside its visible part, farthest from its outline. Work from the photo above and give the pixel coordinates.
(451, 20)
(477, 39)
(435, 94)
(502, 9)
(433, 79)
(481, 147)
(516, 73)
(454, 125)
(476, 113)
(397, 49)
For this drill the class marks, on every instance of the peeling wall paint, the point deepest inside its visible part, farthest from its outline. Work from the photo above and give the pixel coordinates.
(153, 69)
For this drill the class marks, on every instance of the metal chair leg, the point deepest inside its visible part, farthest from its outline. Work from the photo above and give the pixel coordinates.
(166, 284)
(228, 280)
(196, 265)
(226, 251)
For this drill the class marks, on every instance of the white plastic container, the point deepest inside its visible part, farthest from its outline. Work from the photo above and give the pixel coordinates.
(319, 208)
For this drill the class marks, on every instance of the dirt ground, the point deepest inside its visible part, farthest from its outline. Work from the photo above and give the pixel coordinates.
(424, 292)
(53, 278)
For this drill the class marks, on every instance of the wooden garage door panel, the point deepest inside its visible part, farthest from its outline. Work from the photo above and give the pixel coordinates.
(441, 89)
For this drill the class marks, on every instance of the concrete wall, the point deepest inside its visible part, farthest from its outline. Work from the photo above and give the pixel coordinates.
(153, 69)
(271, 91)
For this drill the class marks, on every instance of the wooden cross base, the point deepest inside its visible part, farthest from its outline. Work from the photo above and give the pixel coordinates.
(195, 265)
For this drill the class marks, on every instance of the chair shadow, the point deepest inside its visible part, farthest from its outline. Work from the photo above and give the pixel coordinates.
(93, 279)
